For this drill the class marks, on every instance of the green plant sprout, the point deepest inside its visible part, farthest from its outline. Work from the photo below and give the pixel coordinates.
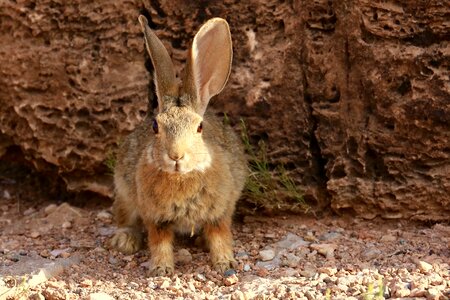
(268, 186)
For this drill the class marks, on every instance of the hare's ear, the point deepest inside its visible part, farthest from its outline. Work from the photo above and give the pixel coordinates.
(165, 80)
(209, 63)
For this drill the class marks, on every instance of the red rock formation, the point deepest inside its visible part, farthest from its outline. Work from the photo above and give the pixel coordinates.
(353, 97)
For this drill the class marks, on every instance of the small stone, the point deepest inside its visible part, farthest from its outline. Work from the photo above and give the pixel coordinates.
(415, 293)
(270, 235)
(60, 252)
(100, 296)
(326, 250)
(29, 211)
(388, 238)
(433, 293)
(328, 271)
(424, 266)
(288, 272)
(330, 236)
(36, 296)
(400, 289)
(165, 284)
(200, 277)
(112, 260)
(291, 241)
(266, 255)
(106, 231)
(13, 257)
(86, 282)
(262, 272)
(370, 254)
(238, 295)
(44, 253)
(191, 286)
(66, 225)
(291, 260)
(104, 216)
(230, 280)
(184, 256)
(229, 272)
(50, 208)
(35, 234)
(99, 250)
(308, 272)
(6, 194)
(247, 268)
(241, 255)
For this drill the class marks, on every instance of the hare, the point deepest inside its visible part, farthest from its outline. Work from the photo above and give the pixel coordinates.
(183, 170)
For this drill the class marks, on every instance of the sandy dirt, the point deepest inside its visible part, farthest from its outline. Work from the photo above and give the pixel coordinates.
(280, 257)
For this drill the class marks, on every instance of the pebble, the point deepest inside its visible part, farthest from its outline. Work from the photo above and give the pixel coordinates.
(230, 280)
(6, 194)
(50, 208)
(424, 266)
(388, 238)
(229, 272)
(100, 296)
(266, 255)
(86, 282)
(165, 284)
(112, 260)
(184, 256)
(328, 271)
(35, 234)
(433, 293)
(60, 252)
(241, 255)
(292, 241)
(66, 225)
(29, 211)
(238, 295)
(106, 231)
(291, 260)
(200, 277)
(308, 272)
(326, 250)
(330, 236)
(370, 254)
(247, 268)
(104, 216)
(270, 235)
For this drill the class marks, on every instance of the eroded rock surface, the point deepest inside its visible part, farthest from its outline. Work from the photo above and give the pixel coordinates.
(353, 97)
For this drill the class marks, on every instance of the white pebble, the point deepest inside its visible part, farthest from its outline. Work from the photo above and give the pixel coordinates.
(266, 255)
(66, 225)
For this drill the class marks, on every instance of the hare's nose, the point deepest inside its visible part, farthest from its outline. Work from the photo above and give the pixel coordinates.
(176, 156)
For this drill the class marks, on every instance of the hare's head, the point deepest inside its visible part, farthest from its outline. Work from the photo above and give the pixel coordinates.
(179, 145)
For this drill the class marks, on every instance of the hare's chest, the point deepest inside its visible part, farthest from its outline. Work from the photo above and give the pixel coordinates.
(190, 209)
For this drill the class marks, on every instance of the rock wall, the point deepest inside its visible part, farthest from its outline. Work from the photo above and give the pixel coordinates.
(353, 97)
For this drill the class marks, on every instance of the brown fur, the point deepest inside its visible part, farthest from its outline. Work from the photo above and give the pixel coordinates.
(196, 193)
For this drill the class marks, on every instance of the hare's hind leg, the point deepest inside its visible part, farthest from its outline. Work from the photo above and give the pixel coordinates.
(220, 242)
(128, 237)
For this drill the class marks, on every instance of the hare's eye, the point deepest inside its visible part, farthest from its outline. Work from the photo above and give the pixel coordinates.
(155, 126)
(200, 127)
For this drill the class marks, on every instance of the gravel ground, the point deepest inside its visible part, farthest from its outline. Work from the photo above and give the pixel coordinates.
(282, 257)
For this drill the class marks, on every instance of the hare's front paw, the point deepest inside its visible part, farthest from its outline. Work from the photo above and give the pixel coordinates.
(224, 264)
(127, 240)
(162, 270)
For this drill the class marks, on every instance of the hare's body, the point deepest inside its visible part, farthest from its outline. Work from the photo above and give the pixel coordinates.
(183, 200)
(183, 170)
